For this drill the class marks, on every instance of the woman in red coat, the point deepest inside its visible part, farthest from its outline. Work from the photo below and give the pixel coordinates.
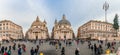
(5, 53)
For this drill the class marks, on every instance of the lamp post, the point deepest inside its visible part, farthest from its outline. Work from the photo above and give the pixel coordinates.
(105, 8)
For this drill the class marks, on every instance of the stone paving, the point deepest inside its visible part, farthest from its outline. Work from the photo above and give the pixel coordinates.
(50, 50)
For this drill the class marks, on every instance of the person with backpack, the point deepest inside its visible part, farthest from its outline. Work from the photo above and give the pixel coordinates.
(19, 51)
(9, 52)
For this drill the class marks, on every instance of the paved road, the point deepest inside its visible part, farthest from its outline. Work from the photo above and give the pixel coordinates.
(50, 50)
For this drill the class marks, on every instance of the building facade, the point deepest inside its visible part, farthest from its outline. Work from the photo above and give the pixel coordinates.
(96, 30)
(62, 29)
(38, 30)
(10, 30)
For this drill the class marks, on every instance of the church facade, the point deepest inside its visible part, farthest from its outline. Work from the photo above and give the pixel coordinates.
(62, 29)
(38, 30)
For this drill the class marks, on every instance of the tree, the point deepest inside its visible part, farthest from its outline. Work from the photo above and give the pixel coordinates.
(116, 24)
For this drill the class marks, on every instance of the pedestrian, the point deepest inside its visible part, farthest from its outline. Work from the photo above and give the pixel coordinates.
(56, 46)
(100, 48)
(2, 50)
(32, 51)
(5, 53)
(77, 51)
(35, 51)
(89, 44)
(95, 48)
(41, 53)
(19, 45)
(37, 48)
(118, 51)
(19, 51)
(9, 52)
(10, 47)
(63, 51)
(14, 46)
(108, 45)
(24, 47)
(60, 45)
(5, 48)
(91, 47)
(112, 50)
(108, 51)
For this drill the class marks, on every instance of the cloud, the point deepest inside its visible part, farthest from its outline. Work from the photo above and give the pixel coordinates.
(78, 12)
(110, 16)
(24, 12)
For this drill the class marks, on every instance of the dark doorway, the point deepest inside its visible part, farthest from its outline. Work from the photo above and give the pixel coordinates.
(36, 37)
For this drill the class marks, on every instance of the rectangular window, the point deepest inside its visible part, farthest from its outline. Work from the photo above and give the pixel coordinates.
(0, 24)
(0, 28)
(6, 23)
(7, 28)
(3, 24)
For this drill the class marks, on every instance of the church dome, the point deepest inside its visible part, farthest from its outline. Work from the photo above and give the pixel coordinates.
(36, 22)
(64, 21)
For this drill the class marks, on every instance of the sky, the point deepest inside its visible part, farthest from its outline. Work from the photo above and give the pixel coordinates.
(78, 12)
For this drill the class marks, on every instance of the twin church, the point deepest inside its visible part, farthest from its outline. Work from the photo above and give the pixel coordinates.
(62, 30)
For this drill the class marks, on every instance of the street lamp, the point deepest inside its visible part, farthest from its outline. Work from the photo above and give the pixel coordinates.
(105, 8)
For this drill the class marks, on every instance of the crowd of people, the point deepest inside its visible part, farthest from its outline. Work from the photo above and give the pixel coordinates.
(96, 48)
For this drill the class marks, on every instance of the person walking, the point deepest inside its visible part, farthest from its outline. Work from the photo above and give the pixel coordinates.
(77, 51)
(5, 53)
(118, 51)
(108, 51)
(95, 48)
(35, 51)
(41, 53)
(19, 51)
(14, 46)
(32, 51)
(60, 45)
(56, 46)
(2, 50)
(63, 51)
(9, 52)
(5, 48)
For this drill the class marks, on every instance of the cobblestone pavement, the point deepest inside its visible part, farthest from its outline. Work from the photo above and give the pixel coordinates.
(50, 50)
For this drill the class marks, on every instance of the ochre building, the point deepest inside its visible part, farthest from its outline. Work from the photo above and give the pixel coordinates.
(62, 29)
(10, 30)
(38, 30)
(96, 30)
